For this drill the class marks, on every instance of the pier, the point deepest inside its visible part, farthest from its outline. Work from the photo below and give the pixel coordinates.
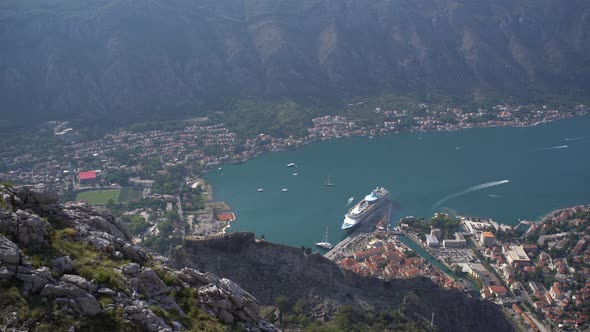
(340, 249)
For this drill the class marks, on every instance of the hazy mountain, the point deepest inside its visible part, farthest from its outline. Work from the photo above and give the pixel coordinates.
(135, 57)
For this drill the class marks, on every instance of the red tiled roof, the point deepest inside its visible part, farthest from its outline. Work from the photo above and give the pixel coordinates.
(516, 308)
(377, 259)
(225, 216)
(349, 261)
(498, 289)
(90, 175)
(368, 253)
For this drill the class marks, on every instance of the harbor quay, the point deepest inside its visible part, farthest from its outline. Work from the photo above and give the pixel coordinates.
(373, 249)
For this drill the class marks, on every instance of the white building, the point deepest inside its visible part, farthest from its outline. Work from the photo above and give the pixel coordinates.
(432, 241)
(458, 242)
(515, 255)
(436, 232)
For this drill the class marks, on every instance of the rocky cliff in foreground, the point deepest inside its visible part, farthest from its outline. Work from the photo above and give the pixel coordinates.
(71, 267)
(74, 268)
(271, 271)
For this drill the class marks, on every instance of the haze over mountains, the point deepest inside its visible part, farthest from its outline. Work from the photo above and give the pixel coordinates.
(112, 58)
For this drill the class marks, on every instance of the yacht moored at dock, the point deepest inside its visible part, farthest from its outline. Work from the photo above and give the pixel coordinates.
(366, 208)
(325, 244)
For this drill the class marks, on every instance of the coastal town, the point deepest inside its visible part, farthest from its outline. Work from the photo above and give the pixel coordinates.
(382, 254)
(536, 271)
(198, 144)
(151, 177)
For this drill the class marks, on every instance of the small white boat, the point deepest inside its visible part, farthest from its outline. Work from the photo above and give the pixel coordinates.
(295, 174)
(329, 183)
(259, 190)
(350, 201)
(285, 189)
(291, 165)
(325, 244)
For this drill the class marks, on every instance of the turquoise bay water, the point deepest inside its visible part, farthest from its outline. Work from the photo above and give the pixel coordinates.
(419, 169)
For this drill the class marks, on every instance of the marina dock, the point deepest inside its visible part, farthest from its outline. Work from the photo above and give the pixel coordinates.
(341, 249)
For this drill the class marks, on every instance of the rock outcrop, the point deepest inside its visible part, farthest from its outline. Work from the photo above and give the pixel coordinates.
(62, 264)
(136, 290)
(100, 229)
(9, 258)
(269, 271)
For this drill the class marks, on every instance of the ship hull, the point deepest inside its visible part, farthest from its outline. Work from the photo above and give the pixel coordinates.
(351, 222)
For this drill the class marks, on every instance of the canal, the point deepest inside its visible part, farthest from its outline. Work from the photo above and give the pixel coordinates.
(426, 255)
(433, 260)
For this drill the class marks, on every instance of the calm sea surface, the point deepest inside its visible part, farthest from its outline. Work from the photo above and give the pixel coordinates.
(503, 173)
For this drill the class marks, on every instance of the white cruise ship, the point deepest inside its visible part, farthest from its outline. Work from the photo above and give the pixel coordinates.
(366, 208)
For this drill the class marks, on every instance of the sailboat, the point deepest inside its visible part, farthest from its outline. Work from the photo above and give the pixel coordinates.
(325, 244)
(329, 183)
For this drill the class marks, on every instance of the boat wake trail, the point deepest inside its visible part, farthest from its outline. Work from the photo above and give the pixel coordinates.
(495, 196)
(470, 189)
(555, 147)
(576, 138)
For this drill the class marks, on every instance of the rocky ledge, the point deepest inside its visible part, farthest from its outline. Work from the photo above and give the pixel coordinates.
(82, 263)
(272, 272)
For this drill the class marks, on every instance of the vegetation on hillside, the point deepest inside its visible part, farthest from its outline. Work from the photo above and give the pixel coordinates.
(27, 312)
(447, 224)
(281, 119)
(353, 319)
(36, 314)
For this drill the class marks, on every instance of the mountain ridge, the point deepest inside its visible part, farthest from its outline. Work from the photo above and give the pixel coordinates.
(269, 271)
(138, 58)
